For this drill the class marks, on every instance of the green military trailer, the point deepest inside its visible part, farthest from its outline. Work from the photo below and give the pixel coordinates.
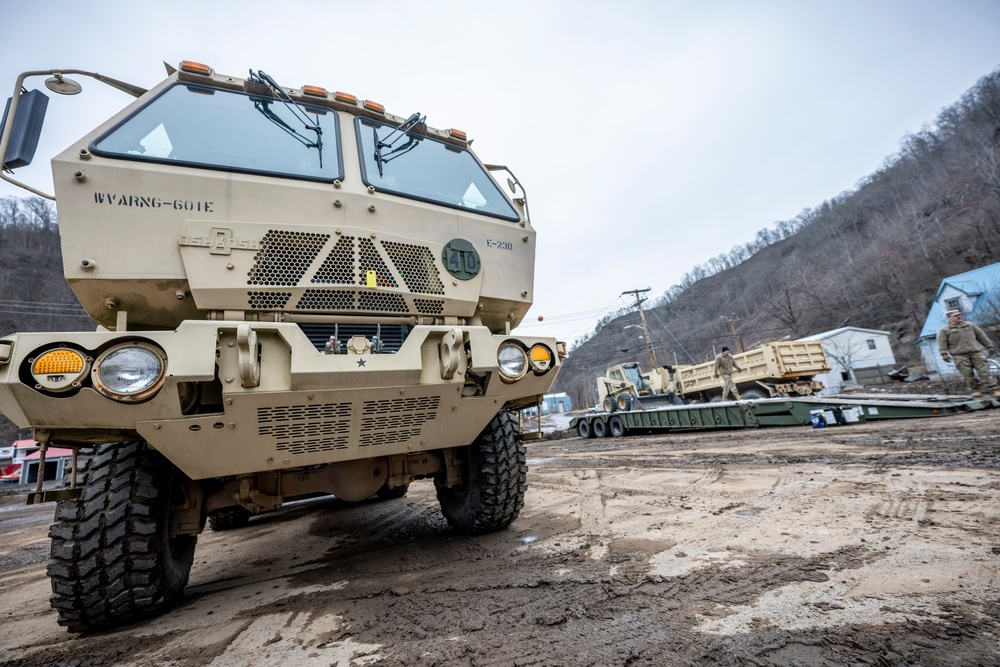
(296, 293)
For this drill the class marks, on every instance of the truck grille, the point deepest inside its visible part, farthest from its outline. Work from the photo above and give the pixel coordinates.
(397, 420)
(303, 429)
(285, 259)
(309, 429)
(392, 335)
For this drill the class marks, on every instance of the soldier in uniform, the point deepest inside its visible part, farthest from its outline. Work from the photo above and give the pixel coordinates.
(724, 366)
(964, 343)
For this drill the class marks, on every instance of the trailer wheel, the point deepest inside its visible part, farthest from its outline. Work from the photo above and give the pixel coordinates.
(229, 518)
(496, 478)
(600, 428)
(112, 559)
(609, 404)
(617, 426)
(583, 428)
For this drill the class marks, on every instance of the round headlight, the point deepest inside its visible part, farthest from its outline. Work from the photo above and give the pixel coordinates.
(512, 360)
(132, 372)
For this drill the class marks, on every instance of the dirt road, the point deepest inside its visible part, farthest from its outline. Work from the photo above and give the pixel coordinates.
(870, 544)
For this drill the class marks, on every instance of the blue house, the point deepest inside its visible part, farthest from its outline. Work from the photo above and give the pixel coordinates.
(977, 294)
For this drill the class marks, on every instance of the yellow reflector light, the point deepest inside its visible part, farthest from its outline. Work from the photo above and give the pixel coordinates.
(458, 134)
(539, 353)
(196, 68)
(374, 106)
(58, 361)
(345, 97)
(314, 90)
(541, 358)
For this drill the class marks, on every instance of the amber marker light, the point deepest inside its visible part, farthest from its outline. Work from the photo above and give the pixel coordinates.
(374, 106)
(60, 369)
(345, 97)
(316, 91)
(58, 361)
(458, 134)
(541, 358)
(195, 68)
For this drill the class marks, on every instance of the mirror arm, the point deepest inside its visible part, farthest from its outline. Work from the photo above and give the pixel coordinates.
(12, 112)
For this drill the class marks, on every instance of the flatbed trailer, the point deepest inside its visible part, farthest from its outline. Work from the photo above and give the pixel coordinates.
(836, 410)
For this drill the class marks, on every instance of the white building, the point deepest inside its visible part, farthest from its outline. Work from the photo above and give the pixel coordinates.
(850, 348)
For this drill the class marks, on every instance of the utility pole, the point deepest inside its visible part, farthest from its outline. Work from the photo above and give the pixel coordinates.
(642, 317)
(732, 327)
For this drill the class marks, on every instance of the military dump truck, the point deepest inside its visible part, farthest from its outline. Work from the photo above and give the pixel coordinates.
(775, 369)
(297, 293)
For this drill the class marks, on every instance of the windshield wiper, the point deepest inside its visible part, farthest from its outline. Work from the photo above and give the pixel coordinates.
(402, 130)
(297, 110)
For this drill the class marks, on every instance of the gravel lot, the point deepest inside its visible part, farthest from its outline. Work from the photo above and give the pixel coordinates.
(867, 544)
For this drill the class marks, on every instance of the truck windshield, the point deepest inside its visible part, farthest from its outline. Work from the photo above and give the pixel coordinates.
(423, 168)
(220, 129)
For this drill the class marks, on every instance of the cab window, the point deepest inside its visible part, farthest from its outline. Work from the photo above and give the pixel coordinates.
(232, 131)
(416, 166)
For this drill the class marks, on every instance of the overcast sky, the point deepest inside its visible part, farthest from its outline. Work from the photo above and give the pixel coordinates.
(650, 136)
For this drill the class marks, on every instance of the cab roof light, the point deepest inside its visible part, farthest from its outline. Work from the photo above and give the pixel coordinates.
(195, 68)
(458, 134)
(374, 106)
(314, 90)
(345, 97)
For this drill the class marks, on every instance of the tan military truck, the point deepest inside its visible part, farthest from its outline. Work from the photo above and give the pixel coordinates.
(783, 368)
(298, 293)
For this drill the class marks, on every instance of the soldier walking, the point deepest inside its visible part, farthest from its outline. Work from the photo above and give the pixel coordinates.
(964, 343)
(724, 366)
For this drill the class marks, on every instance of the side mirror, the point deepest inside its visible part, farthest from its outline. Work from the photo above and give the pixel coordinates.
(26, 128)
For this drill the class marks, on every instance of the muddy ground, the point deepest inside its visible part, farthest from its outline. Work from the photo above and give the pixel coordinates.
(868, 544)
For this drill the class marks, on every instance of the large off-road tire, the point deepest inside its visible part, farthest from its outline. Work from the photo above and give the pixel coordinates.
(753, 395)
(229, 518)
(496, 478)
(112, 559)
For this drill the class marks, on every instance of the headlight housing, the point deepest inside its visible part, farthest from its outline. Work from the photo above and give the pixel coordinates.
(60, 369)
(512, 361)
(541, 358)
(131, 372)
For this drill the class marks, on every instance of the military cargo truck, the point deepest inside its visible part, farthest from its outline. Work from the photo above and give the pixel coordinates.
(297, 293)
(774, 369)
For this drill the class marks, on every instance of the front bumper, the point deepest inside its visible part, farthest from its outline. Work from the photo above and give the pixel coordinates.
(269, 400)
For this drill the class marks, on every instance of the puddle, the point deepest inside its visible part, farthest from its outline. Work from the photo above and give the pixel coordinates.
(749, 512)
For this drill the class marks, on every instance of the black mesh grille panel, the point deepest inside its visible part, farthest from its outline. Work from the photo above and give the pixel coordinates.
(304, 429)
(415, 264)
(338, 267)
(268, 300)
(429, 306)
(370, 260)
(321, 299)
(396, 420)
(284, 257)
(381, 303)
